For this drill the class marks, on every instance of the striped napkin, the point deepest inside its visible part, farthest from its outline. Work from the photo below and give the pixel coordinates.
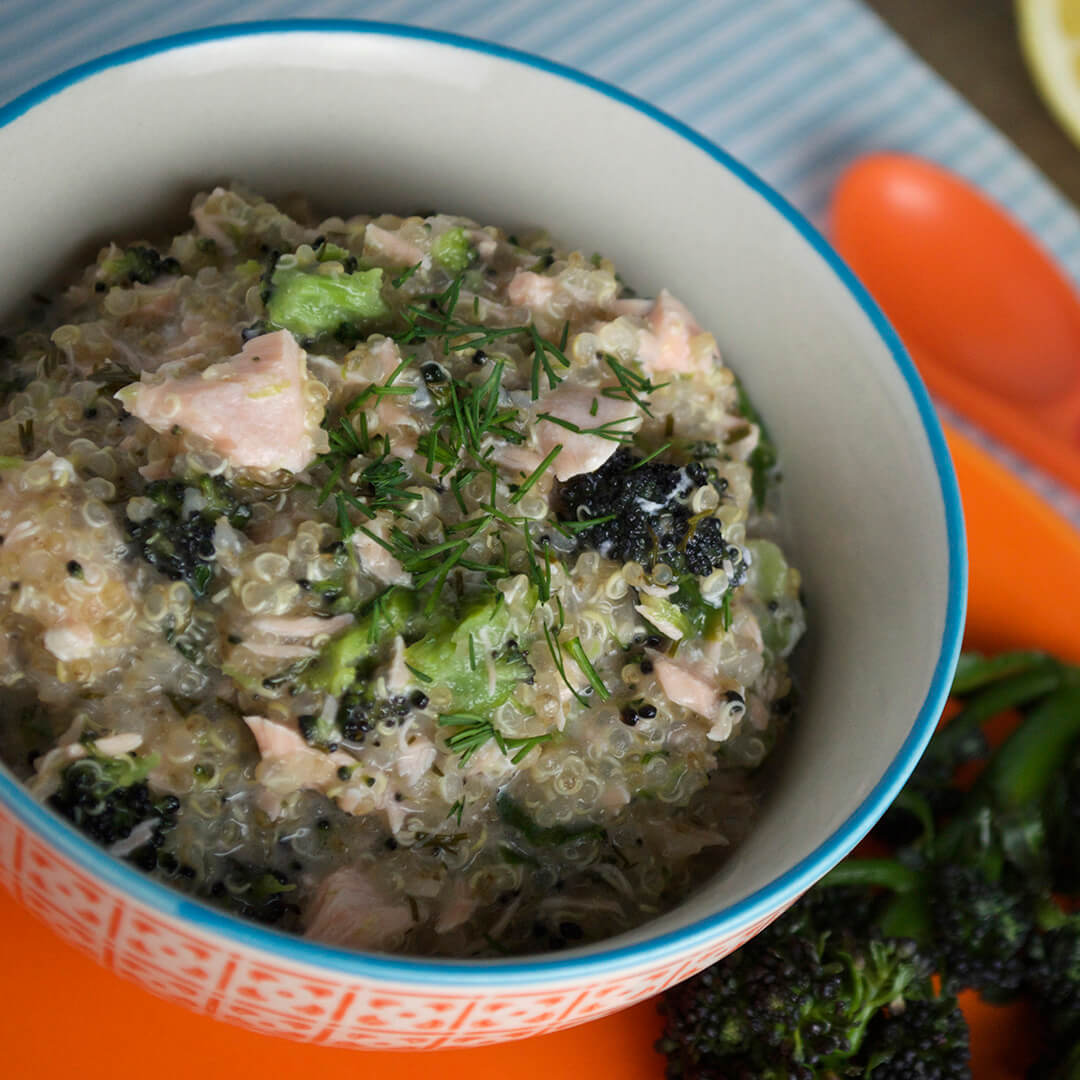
(794, 89)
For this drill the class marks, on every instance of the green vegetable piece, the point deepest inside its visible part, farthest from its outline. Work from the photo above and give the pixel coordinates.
(705, 620)
(332, 253)
(313, 304)
(445, 656)
(974, 671)
(669, 618)
(335, 670)
(451, 250)
(777, 585)
(7, 462)
(138, 263)
(1024, 766)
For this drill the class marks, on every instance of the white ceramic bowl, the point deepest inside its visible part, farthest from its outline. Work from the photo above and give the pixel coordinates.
(363, 117)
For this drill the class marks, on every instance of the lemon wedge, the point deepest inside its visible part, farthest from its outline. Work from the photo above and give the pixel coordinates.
(1050, 39)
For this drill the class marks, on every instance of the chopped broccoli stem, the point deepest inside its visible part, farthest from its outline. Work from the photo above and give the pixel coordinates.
(311, 304)
(451, 250)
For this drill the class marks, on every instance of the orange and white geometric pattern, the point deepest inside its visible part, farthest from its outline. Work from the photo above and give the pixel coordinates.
(258, 990)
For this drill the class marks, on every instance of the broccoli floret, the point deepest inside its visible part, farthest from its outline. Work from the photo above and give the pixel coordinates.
(138, 263)
(1061, 1062)
(795, 1002)
(925, 1040)
(980, 930)
(178, 536)
(455, 654)
(311, 304)
(650, 520)
(107, 797)
(341, 661)
(451, 250)
(449, 651)
(256, 892)
(1053, 975)
(1063, 828)
(972, 886)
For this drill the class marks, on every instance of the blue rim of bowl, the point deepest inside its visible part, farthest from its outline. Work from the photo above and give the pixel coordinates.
(573, 966)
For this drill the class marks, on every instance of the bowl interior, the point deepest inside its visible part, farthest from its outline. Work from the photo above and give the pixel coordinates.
(366, 121)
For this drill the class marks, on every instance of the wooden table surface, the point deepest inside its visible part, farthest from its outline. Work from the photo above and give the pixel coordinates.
(973, 44)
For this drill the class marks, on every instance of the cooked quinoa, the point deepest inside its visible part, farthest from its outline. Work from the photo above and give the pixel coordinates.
(396, 581)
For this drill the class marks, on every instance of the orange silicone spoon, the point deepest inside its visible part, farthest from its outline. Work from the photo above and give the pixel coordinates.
(990, 320)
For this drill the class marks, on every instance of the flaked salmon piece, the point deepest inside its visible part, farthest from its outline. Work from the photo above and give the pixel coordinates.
(530, 290)
(674, 341)
(350, 909)
(631, 305)
(687, 687)
(288, 764)
(255, 408)
(375, 560)
(585, 409)
(516, 459)
(696, 690)
(393, 245)
(278, 637)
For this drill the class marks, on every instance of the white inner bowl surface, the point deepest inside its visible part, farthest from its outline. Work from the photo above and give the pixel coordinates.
(374, 121)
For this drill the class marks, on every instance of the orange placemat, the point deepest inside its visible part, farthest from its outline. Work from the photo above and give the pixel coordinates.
(62, 1015)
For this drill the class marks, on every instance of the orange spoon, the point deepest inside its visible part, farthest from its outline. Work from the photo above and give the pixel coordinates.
(990, 320)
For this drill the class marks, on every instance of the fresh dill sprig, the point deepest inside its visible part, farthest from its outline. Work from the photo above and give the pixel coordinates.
(632, 386)
(434, 316)
(551, 636)
(725, 611)
(610, 430)
(577, 651)
(423, 676)
(405, 274)
(535, 475)
(472, 731)
(572, 528)
(648, 457)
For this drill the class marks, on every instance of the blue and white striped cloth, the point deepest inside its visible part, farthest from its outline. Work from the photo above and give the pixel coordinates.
(794, 89)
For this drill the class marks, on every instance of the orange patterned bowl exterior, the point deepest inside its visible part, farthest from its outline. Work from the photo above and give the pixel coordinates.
(220, 977)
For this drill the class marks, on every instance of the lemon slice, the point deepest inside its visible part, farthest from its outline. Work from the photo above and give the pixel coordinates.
(1050, 38)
